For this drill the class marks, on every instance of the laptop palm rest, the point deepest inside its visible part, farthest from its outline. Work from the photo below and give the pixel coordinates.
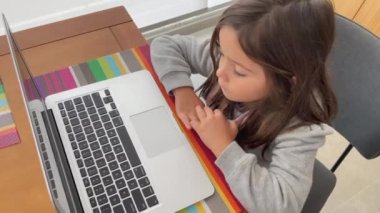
(156, 131)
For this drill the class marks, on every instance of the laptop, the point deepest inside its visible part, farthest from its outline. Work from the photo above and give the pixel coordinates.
(111, 146)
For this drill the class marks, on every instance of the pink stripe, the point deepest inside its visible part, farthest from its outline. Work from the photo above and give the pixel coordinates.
(67, 78)
(48, 84)
(9, 139)
(30, 88)
(27, 88)
(56, 81)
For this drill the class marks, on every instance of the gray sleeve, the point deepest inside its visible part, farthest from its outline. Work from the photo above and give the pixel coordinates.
(284, 184)
(176, 57)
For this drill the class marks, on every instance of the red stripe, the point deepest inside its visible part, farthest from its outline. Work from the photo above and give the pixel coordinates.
(53, 75)
(48, 84)
(67, 78)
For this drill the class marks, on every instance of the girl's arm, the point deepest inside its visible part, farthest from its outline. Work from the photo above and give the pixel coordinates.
(176, 57)
(283, 183)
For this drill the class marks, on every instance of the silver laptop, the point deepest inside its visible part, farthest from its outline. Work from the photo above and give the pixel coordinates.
(112, 146)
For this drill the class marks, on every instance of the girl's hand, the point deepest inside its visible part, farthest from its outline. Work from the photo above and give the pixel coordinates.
(185, 102)
(214, 129)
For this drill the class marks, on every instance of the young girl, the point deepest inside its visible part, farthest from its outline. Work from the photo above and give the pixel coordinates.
(268, 96)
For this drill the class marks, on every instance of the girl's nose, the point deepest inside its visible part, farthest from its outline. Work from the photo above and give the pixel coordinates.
(221, 72)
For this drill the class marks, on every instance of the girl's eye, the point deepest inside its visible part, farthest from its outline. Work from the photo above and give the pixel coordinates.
(239, 73)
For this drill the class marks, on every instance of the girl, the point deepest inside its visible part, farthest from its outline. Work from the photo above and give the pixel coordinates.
(268, 97)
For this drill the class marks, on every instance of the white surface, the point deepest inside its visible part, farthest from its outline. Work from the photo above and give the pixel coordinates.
(211, 3)
(22, 14)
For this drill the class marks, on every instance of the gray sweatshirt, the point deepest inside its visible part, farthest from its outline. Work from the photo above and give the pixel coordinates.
(282, 181)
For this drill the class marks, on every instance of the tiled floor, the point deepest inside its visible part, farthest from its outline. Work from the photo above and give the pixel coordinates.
(358, 179)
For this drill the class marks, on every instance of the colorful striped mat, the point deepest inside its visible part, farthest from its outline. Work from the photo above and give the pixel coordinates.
(8, 131)
(125, 62)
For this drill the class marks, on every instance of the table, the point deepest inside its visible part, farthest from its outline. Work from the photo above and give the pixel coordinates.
(47, 48)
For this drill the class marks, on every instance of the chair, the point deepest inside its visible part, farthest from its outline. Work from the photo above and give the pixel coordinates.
(355, 70)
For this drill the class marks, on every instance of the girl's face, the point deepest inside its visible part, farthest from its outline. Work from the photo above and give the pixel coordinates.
(240, 78)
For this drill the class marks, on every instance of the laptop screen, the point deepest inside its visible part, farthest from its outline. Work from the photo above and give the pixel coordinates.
(29, 89)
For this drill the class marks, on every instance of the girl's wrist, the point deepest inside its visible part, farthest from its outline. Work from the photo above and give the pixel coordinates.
(182, 90)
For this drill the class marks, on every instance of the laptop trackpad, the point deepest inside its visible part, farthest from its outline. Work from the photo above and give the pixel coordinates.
(156, 131)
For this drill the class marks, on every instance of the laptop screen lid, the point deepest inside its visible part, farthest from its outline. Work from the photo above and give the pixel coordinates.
(36, 108)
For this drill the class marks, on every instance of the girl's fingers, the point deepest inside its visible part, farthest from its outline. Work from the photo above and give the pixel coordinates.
(185, 120)
(200, 112)
(208, 111)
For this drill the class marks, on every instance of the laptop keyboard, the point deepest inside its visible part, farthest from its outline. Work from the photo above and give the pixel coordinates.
(110, 167)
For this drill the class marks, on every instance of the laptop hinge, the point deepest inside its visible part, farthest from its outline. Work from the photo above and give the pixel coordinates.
(62, 163)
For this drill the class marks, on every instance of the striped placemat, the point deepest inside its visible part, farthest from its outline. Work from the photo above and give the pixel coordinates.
(8, 131)
(125, 62)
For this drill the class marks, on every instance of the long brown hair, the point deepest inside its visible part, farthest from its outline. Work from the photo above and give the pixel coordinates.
(291, 40)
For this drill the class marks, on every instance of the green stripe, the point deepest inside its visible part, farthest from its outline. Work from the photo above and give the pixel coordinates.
(106, 68)
(182, 211)
(96, 70)
(1, 88)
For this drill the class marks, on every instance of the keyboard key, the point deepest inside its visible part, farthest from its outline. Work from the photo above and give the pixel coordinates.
(88, 101)
(111, 190)
(152, 201)
(118, 149)
(68, 129)
(89, 191)
(71, 137)
(113, 106)
(91, 137)
(108, 125)
(106, 209)
(115, 200)
(86, 182)
(103, 140)
(125, 166)
(116, 174)
(110, 157)
(92, 171)
(113, 165)
(139, 171)
(82, 115)
(117, 121)
(95, 180)
(148, 191)
(97, 99)
(132, 184)
(94, 117)
(106, 100)
(86, 122)
(74, 121)
(78, 100)
(104, 171)
(76, 154)
(89, 162)
(102, 199)
(72, 114)
(128, 174)
(69, 105)
(86, 153)
(63, 113)
(98, 189)
(120, 183)
(91, 110)
(94, 145)
(128, 146)
(83, 145)
(77, 129)
(139, 200)
(74, 145)
(107, 180)
(144, 182)
(97, 125)
(80, 108)
(65, 121)
(107, 148)
(105, 118)
(114, 113)
(115, 141)
(98, 154)
(121, 157)
(128, 205)
(80, 137)
(96, 210)
(124, 193)
(111, 133)
(118, 209)
(93, 202)
(80, 163)
(88, 130)
(107, 92)
(60, 106)
(100, 132)
(102, 111)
